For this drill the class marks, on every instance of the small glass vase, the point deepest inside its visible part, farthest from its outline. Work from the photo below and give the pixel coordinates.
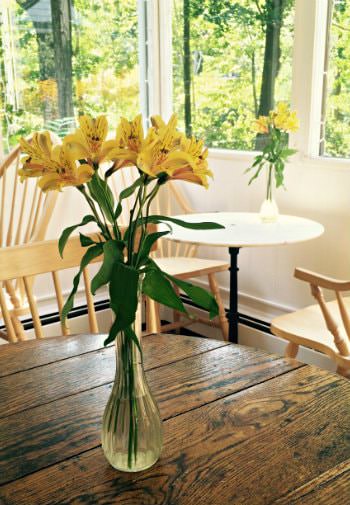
(269, 210)
(131, 426)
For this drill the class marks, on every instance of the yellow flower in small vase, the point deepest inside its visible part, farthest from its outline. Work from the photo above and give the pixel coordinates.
(275, 153)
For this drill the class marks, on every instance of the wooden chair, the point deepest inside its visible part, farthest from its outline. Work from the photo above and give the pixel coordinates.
(177, 259)
(26, 261)
(324, 327)
(23, 262)
(25, 213)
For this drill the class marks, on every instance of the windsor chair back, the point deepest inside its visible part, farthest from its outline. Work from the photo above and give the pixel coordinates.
(26, 261)
(25, 213)
(324, 327)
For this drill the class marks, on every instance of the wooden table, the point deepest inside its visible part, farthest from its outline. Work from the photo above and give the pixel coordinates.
(244, 229)
(241, 426)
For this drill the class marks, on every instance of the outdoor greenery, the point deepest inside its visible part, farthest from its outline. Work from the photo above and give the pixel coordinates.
(337, 105)
(100, 38)
(232, 61)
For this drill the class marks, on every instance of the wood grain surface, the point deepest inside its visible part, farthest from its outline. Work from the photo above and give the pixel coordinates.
(241, 426)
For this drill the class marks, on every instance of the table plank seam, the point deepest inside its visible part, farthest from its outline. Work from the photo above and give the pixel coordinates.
(224, 344)
(54, 361)
(245, 388)
(165, 420)
(319, 485)
(220, 344)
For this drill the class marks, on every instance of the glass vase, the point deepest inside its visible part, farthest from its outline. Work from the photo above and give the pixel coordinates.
(269, 210)
(131, 426)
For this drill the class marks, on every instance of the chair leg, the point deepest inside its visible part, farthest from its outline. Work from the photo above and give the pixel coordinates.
(176, 314)
(214, 287)
(291, 350)
(152, 316)
(345, 372)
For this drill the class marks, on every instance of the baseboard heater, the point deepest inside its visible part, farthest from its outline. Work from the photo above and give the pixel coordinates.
(53, 317)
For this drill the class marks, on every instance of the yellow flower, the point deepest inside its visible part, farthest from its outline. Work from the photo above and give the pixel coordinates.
(284, 119)
(68, 173)
(39, 148)
(38, 160)
(292, 124)
(179, 161)
(261, 125)
(198, 171)
(88, 141)
(55, 166)
(128, 143)
(158, 154)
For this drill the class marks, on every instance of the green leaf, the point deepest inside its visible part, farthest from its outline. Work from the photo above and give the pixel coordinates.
(255, 176)
(131, 189)
(113, 332)
(68, 231)
(125, 194)
(85, 241)
(92, 253)
(102, 194)
(156, 286)
(147, 244)
(198, 295)
(123, 291)
(185, 224)
(112, 253)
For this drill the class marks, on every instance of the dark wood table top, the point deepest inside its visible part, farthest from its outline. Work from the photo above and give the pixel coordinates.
(241, 426)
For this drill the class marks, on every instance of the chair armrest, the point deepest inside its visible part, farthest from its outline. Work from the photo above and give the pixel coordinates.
(321, 280)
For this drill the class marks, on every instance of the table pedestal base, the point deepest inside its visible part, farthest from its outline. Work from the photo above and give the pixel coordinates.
(233, 316)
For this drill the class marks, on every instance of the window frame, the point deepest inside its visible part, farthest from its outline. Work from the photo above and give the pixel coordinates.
(310, 27)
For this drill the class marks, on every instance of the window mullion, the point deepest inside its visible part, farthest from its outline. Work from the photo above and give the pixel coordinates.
(308, 73)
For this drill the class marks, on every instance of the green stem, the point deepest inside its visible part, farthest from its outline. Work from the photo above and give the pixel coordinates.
(103, 227)
(269, 183)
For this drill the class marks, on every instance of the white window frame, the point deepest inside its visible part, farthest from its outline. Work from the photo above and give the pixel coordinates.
(307, 81)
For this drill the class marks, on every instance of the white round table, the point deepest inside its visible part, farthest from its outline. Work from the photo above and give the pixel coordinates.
(243, 229)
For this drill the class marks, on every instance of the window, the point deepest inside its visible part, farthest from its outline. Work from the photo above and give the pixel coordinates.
(222, 75)
(335, 120)
(79, 57)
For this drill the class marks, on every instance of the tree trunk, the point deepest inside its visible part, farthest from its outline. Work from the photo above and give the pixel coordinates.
(274, 16)
(274, 13)
(187, 67)
(62, 38)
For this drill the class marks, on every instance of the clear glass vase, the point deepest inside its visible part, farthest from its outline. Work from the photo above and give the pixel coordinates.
(131, 426)
(269, 211)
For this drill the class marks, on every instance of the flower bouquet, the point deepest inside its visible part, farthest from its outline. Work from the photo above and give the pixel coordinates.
(131, 432)
(275, 127)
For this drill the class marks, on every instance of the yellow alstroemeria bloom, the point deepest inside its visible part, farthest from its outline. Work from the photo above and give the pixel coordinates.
(128, 143)
(160, 126)
(38, 159)
(88, 141)
(68, 172)
(261, 125)
(198, 171)
(284, 119)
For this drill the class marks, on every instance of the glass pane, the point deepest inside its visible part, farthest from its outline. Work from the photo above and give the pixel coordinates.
(335, 126)
(55, 66)
(224, 73)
